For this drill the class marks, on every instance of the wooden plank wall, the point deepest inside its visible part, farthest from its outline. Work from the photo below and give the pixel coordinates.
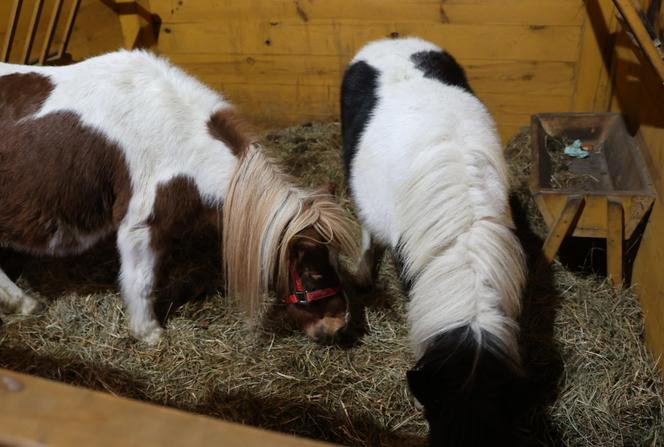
(281, 61)
(639, 94)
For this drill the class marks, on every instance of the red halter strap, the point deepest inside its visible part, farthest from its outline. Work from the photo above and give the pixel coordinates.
(302, 296)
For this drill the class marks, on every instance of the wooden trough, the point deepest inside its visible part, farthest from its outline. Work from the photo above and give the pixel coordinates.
(610, 190)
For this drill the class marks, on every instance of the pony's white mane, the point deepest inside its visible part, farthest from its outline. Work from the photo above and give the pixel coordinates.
(466, 266)
(263, 214)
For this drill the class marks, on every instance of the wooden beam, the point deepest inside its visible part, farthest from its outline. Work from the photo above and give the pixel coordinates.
(614, 242)
(592, 91)
(11, 30)
(561, 228)
(38, 412)
(638, 29)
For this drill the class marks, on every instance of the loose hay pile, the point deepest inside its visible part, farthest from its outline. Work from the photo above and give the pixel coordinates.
(583, 343)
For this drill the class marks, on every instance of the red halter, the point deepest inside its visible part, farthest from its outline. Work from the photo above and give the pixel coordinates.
(302, 296)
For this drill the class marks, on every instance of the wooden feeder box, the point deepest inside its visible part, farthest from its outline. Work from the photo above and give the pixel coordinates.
(604, 195)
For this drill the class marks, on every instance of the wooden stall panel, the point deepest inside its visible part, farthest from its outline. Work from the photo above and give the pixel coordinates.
(37, 412)
(521, 56)
(542, 12)
(639, 95)
(344, 38)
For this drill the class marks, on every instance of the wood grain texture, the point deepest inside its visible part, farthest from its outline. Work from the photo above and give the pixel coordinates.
(561, 227)
(343, 38)
(639, 95)
(638, 30)
(542, 12)
(521, 56)
(614, 241)
(592, 91)
(39, 412)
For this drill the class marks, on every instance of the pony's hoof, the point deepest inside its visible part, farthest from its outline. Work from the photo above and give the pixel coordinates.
(29, 305)
(150, 334)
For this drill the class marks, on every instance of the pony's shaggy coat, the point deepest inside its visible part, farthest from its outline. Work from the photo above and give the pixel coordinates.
(428, 178)
(118, 130)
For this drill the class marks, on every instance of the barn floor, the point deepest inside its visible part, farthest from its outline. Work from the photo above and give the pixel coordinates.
(583, 342)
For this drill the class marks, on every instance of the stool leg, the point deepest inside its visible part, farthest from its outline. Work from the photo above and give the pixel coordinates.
(561, 228)
(614, 242)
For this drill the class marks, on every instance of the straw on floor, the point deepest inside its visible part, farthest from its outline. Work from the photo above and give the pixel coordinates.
(583, 341)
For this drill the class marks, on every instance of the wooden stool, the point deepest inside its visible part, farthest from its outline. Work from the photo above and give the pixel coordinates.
(612, 205)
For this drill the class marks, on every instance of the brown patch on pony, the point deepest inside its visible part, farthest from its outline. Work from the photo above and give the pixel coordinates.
(229, 127)
(62, 184)
(177, 211)
(184, 232)
(22, 94)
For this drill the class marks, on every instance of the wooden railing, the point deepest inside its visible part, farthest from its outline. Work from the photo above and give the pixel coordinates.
(45, 54)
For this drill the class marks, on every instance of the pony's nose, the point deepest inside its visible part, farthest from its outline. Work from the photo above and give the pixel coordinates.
(326, 330)
(323, 337)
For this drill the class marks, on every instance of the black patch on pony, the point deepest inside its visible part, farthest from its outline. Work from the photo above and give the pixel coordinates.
(358, 100)
(472, 394)
(441, 66)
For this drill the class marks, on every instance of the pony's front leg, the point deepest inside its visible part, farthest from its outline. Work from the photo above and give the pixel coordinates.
(137, 273)
(370, 260)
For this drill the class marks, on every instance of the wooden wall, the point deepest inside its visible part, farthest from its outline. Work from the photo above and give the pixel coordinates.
(639, 94)
(281, 61)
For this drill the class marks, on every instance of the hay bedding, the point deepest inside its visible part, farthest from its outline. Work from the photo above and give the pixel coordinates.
(583, 343)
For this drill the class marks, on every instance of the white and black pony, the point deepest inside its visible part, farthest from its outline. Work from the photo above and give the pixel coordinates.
(428, 179)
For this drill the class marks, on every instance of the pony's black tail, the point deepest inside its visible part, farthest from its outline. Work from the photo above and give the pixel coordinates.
(471, 390)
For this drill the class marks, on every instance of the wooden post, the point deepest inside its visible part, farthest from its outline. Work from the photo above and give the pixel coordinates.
(50, 32)
(614, 241)
(11, 30)
(32, 31)
(561, 228)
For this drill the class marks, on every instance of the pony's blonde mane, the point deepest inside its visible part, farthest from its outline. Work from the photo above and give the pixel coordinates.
(263, 213)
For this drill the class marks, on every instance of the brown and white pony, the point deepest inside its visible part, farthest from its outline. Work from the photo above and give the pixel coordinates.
(128, 143)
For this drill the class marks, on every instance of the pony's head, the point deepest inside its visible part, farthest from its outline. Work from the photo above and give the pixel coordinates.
(472, 391)
(277, 236)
